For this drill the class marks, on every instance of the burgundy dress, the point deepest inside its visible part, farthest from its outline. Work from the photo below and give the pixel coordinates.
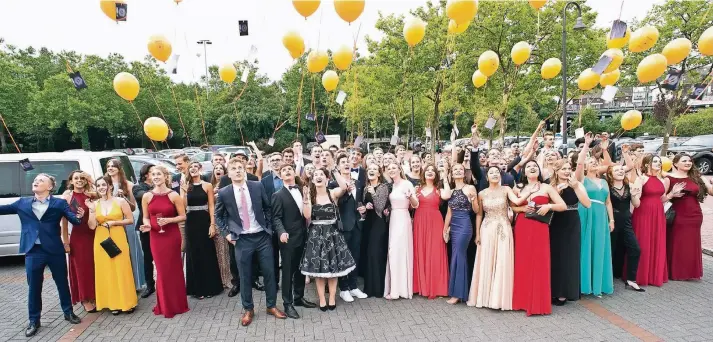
(532, 284)
(171, 297)
(683, 238)
(81, 255)
(430, 260)
(649, 224)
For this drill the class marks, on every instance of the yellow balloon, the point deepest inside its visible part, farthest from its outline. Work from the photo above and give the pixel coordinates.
(178, 1)
(587, 80)
(317, 61)
(306, 7)
(617, 57)
(705, 42)
(551, 68)
(479, 79)
(677, 50)
(160, 48)
(349, 10)
(609, 78)
(537, 4)
(454, 28)
(156, 129)
(651, 68)
(227, 73)
(488, 63)
(643, 39)
(414, 31)
(126, 85)
(631, 120)
(520, 53)
(342, 57)
(462, 11)
(666, 164)
(109, 7)
(619, 43)
(294, 43)
(330, 80)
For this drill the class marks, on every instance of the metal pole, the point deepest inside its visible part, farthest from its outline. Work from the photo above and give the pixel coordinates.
(205, 61)
(564, 78)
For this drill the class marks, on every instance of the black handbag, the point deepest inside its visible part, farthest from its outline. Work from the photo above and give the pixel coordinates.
(546, 218)
(110, 246)
(670, 216)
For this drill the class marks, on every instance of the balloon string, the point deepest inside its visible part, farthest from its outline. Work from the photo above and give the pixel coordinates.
(200, 111)
(180, 119)
(237, 120)
(157, 106)
(141, 123)
(621, 9)
(329, 107)
(313, 109)
(10, 134)
(705, 15)
(299, 102)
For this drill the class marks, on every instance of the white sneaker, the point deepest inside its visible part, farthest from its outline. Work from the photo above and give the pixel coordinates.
(357, 293)
(346, 296)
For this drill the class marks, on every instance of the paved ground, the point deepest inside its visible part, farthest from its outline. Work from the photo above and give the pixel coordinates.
(707, 229)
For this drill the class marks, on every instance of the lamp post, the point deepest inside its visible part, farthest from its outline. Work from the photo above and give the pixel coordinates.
(577, 26)
(205, 43)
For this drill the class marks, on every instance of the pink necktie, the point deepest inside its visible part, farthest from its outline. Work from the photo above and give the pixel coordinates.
(244, 209)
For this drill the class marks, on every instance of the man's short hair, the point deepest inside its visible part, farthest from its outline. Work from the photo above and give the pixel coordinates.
(284, 165)
(217, 154)
(342, 156)
(295, 141)
(378, 149)
(333, 146)
(234, 161)
(182, 157)
(53, 182)
(329, 151)
(288, 150)
(400, 147)
(358, 150)
(549, 133)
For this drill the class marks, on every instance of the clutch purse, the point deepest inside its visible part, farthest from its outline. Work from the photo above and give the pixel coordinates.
(110, 247)
(670, 216)
(546, 218)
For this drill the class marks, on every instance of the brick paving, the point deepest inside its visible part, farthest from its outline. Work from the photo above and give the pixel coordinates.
(707, 228)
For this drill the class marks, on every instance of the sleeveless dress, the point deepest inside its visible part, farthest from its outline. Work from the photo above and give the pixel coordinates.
(171, 297)
(649, 224)
(377, 242)
(135, 252)
(326, 254)
(623, 239)
(461, 235)
(114, 280)
(492, 283)
(430, 260)
(399, 262)
(81, 255)
(531, 288)
(683, 238)
(596, 264)
(202, 271)
(565, 243)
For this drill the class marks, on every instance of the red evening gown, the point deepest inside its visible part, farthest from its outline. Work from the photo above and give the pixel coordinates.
(430, 260)
(683, 238)
(531, 289)
(81, 255)
(649, 223)
(171, 297)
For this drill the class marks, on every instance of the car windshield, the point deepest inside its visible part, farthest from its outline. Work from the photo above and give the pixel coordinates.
(701, 140)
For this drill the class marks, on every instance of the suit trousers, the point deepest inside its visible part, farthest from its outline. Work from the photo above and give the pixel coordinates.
(235, 274)
(148, 259)
(35, 262)
(353, 240)
(293, 281)
(247, 247)
(624, 243)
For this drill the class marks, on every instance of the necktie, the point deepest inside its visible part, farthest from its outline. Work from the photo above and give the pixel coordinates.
(293, 187)
(356, 169)
(244, 209)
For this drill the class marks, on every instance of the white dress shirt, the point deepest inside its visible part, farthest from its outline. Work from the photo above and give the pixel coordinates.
(297, 196)
(255, 227)
(40, 208)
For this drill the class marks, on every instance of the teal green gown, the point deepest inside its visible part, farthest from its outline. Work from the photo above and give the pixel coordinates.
(596, 263)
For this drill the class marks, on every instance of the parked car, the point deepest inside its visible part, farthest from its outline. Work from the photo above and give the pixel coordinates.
(233, 149)
(700, 148)
(137, 162)
(18, 183)
(190, 151)
(205, 159)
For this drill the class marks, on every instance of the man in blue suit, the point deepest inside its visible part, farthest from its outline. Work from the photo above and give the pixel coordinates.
(243, 214)
(41, 243)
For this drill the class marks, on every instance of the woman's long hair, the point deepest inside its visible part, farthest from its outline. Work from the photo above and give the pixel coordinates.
(695, 175)
(436, 181)
(313, 188)
(123, 182)
(109, 184)
(524, 180)
(214, 180)
(189, 178)
(609, 176)
(646, 164)
(554, 178)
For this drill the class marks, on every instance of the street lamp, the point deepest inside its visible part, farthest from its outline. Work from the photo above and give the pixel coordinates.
(577, 26)
(205, 43)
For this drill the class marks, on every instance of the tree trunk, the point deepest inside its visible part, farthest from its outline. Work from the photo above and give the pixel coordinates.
(503, 121)
(85, 140)
(435, 131)
(3, 142)
(667, 132)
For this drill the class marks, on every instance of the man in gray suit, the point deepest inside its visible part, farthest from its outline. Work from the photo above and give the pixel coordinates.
(243, 214)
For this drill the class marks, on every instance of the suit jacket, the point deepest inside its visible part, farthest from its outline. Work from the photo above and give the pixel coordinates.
(360, 183)
(139, 190)
(286, 216)
(347, 211)
(225, 180)
(479, 173)
(47, 228)
(268, 183)
(227, 215)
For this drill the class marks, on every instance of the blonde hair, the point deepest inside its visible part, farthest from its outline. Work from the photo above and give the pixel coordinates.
(166, 174)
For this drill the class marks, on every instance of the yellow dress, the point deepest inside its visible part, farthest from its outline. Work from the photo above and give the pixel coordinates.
(114, 280)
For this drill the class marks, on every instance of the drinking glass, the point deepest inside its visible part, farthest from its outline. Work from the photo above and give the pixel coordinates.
(363, 216)
(159, 216)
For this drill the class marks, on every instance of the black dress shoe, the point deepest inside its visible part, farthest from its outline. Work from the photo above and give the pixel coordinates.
(258, 285)
(323, 308)
(629, 287)
(233, 291)
(304, 303)
(147, 292)
(72, 318)
(32, 329)
(291, 312)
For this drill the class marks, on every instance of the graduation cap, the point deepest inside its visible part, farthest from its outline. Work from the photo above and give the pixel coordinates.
(271, 141)
(602, 64)
(26, 165)
(394, 140)
(319, 136)
(618, 30)
(359, 139)
(74, 205)
(77, 80)
(310, 116)
(121, 11)
(341, 97)
(490, 124)
(243, 25)
(174, 64)
(609, 93)
(672, 80)
(698, 90)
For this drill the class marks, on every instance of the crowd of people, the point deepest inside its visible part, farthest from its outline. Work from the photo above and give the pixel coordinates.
(514, 228)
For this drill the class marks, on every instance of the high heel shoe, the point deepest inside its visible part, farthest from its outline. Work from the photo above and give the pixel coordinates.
(558, 302)
(332, 307)
(323, 308)
(629, 287)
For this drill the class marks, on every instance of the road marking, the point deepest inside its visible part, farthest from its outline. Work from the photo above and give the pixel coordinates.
(78, 329)
(619, 321)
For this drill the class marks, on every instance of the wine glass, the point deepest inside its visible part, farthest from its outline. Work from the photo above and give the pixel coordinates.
(363, 215)
(160, 216)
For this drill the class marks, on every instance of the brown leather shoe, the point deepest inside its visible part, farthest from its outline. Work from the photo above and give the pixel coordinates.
(277, 313)
(247, 318)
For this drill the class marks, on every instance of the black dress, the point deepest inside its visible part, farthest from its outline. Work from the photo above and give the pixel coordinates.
(623, 239)
(565, 232)
(377, 243)
(202, 271)
(326, 254)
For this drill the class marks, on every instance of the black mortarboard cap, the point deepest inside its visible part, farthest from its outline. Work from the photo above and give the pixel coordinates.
(121, 11)
(319, 136)
(672, 80)
(602, 64)
(698, 90)
(26, 165)
(77, 80)
(618, 29)
(243, 25)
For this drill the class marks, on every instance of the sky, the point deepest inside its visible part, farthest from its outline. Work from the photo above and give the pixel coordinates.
(81, 26)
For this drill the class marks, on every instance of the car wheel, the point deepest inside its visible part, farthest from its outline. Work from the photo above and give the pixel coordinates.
(704, 165)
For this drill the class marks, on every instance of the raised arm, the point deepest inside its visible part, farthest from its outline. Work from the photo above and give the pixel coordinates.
(342, 189)
(582, 157)
(9, 209)
(635, 191)
(533, 139)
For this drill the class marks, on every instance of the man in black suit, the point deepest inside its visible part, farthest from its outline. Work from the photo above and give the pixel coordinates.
(272, 183)
(143, 186)
(289, 223)
(243, 214)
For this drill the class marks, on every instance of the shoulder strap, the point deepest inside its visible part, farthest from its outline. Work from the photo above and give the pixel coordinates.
(336, 208)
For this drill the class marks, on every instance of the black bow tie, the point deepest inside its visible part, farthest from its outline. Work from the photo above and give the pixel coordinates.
(355, 169)
(293, 187)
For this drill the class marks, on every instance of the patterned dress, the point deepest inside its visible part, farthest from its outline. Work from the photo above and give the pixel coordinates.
(326, 253)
